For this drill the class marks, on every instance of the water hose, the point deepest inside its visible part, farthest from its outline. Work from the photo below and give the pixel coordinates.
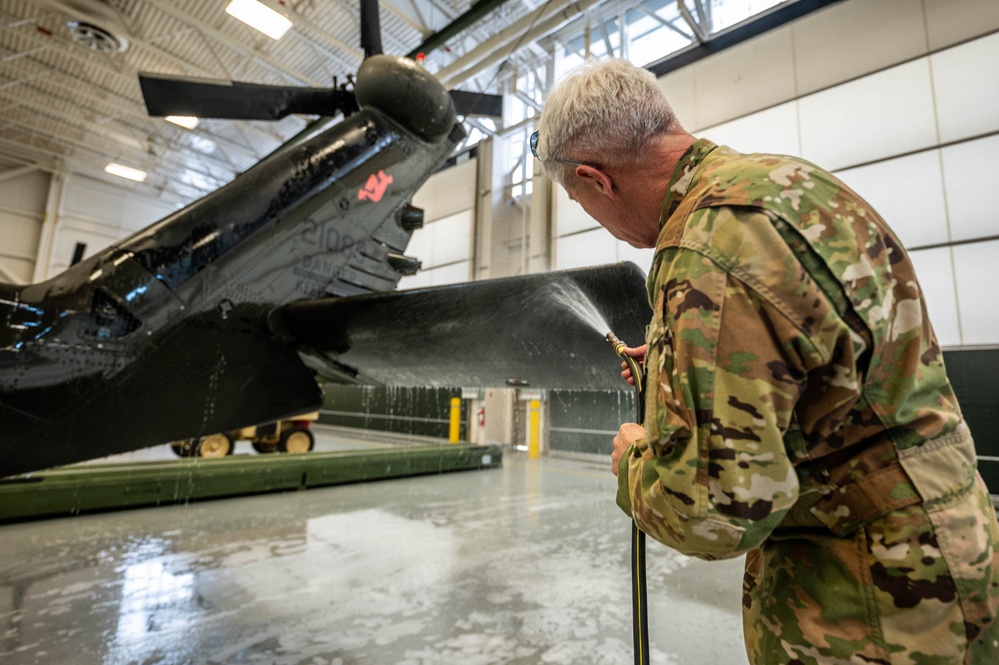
(639, 588)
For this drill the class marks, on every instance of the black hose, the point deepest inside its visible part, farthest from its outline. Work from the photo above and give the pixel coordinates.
(639, 596)
(639, 588)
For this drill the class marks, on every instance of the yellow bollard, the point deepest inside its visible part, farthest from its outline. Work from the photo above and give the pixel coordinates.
(534, 435)
(455, 433)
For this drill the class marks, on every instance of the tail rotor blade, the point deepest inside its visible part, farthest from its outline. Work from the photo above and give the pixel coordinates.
(477, 103)
(167, 95)
(175, 95)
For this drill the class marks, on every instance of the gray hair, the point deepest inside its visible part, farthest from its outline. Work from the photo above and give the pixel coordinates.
(602, 113)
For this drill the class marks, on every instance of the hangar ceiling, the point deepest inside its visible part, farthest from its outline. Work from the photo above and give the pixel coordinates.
(70, 97)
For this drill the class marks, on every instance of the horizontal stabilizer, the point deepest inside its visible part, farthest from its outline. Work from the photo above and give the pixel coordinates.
(545, 330)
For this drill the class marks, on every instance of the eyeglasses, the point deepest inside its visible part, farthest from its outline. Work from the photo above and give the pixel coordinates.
(568, 162)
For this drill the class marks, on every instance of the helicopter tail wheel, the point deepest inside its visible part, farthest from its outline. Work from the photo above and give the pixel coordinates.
(296, 440)
(216, 445)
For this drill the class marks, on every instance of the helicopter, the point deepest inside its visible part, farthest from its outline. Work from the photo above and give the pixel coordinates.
(226, 312)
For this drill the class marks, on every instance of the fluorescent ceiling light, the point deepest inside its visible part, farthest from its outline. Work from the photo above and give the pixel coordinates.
(125, 172)
(260, 17)
(186, 121)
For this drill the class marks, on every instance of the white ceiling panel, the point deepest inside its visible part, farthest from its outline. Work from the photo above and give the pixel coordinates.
(69, 99)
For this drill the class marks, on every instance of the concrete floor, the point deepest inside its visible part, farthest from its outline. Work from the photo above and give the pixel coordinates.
(520, 565)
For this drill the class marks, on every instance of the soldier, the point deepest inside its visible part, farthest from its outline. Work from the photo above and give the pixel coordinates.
(797, 406)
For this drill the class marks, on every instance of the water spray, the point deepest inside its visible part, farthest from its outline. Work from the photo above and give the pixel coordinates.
(568, 295)
(639, 586)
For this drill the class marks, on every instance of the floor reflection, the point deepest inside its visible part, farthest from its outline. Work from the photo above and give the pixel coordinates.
(153, 599)
(521, 565)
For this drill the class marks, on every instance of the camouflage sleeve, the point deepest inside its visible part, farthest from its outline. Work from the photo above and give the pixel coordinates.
(725, 368)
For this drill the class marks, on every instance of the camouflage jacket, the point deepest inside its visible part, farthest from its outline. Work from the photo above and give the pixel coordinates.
(789, 356)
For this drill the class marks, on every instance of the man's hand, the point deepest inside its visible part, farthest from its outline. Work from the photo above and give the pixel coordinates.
(639, 355)
(626, 435)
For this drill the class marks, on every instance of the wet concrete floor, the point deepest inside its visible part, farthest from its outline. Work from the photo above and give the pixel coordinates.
(513, 566)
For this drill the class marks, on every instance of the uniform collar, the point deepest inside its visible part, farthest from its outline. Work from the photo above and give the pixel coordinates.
(682, 175)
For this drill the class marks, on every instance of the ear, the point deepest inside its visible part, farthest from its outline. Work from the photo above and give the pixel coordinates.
(591, 176)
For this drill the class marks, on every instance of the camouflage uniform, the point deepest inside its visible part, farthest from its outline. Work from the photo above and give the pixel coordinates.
(798, 411)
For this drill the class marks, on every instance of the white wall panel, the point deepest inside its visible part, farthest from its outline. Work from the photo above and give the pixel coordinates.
(445, 241)
(835, 45)
(744, 78)
(569, 215)
(95, 228)
(640, 257)
(72, 231)
(421, 245)
(455, 273)
(854, 38)
(970, 178)
(98, 214)
(679, 89)
(908, 192)
(966, 82)
(93, 199)
(19, 231)
(882, 115)
(935, 272)
(590, 248)
(418, 281)
(977, 273)
(589, 244)
(444, 244)
(22, 209)
(449, 191)
(452, 239)
(773, 130)
(951, 21)
(25, 192)
(16, 270)
(138, 213)
(97, 208)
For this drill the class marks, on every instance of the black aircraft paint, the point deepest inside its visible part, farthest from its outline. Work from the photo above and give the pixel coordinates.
(180, 330)
(164, 335)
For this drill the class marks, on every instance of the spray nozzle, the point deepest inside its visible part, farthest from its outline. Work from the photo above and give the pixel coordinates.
(636, 371)
(618, 345)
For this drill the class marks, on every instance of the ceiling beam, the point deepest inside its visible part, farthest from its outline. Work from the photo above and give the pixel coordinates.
(17, 173)
(105, 66)
(128, 114)
(41, 123)
(463, 22)
(669, 24)
(220, 37)
(765, 21)
(546, 19)
(155, 186)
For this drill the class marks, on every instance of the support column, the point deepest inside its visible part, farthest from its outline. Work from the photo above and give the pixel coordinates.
(482, 254)
(454, 433)
(534, 429)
